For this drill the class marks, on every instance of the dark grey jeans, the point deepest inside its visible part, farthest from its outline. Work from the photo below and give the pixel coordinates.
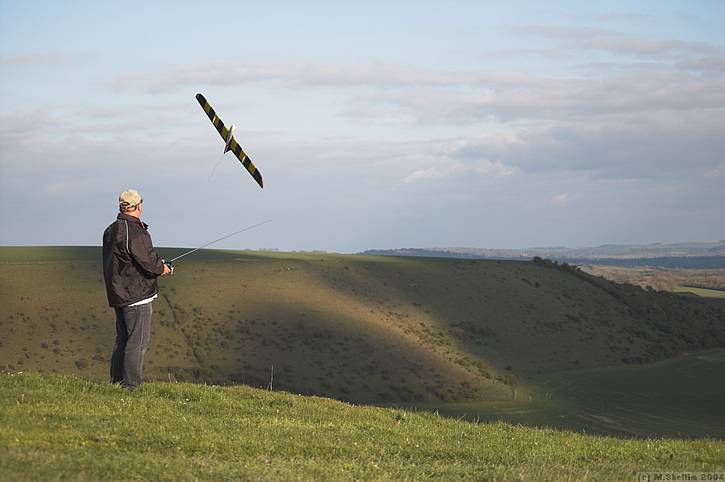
(133, 331)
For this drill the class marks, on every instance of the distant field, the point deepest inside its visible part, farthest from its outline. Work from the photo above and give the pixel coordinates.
(681, 397)
(658, 278)
(667, 262)
(700, 292)
(613, 258)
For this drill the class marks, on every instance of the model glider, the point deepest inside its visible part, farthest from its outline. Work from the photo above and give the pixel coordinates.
(231, 143)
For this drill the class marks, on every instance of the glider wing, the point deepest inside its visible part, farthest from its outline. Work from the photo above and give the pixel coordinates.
(233, 144)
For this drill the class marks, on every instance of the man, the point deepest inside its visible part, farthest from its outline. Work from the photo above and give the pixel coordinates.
(130, 268)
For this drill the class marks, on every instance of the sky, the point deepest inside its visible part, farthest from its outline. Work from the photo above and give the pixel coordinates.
(375, 124)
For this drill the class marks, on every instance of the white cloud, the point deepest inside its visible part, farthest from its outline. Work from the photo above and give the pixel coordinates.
(652, 145)
(560, 199)
(614, 42)
(696, 56)
(315, 74)
(718, 171)
(379, 92)
(35, 58)
(559, 100)
(706, 63)
(483, 168)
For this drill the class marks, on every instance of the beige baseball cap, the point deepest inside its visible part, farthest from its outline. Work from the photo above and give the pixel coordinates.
(129, 198)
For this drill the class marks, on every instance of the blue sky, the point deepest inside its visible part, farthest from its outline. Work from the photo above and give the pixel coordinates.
(375, 125)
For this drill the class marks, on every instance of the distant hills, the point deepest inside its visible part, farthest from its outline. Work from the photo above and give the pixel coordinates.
(357, 328)
(695, 254)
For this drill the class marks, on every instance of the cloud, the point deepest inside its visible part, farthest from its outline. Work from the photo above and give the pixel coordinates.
(650, 145)
(646, 146)
(35, 58)
(714, 64)
(613, 42)
(558, 99)
(560, 199)
(483, 168)
(295, 74)
(624, 17)
(378, 75)
(656, 116)
(381, 92)
(386, 91)
(386, 75)
(718, 171)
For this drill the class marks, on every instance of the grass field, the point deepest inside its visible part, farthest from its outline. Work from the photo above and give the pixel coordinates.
(60, 427)
(704, 292)
(659, 278)
(680, 397)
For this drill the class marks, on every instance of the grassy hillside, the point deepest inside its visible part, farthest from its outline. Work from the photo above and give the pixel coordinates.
(59, 427)
(356, 328)
(680, 397)
(704, 292)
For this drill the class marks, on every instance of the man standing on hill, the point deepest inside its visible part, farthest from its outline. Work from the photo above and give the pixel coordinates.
(130, 269)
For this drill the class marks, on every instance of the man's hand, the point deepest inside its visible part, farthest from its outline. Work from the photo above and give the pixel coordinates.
(167, 270)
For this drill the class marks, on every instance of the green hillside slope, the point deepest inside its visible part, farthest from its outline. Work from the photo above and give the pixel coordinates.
(357, 328)
(681, 397)
(54, 427)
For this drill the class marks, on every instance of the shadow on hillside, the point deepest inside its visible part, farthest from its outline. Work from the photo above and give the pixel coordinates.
(484, 316)
(320, 344)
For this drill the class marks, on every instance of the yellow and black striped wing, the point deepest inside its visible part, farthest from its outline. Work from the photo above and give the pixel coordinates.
(234, 146)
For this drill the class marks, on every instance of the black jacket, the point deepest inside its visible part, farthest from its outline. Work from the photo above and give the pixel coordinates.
(130, 264)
